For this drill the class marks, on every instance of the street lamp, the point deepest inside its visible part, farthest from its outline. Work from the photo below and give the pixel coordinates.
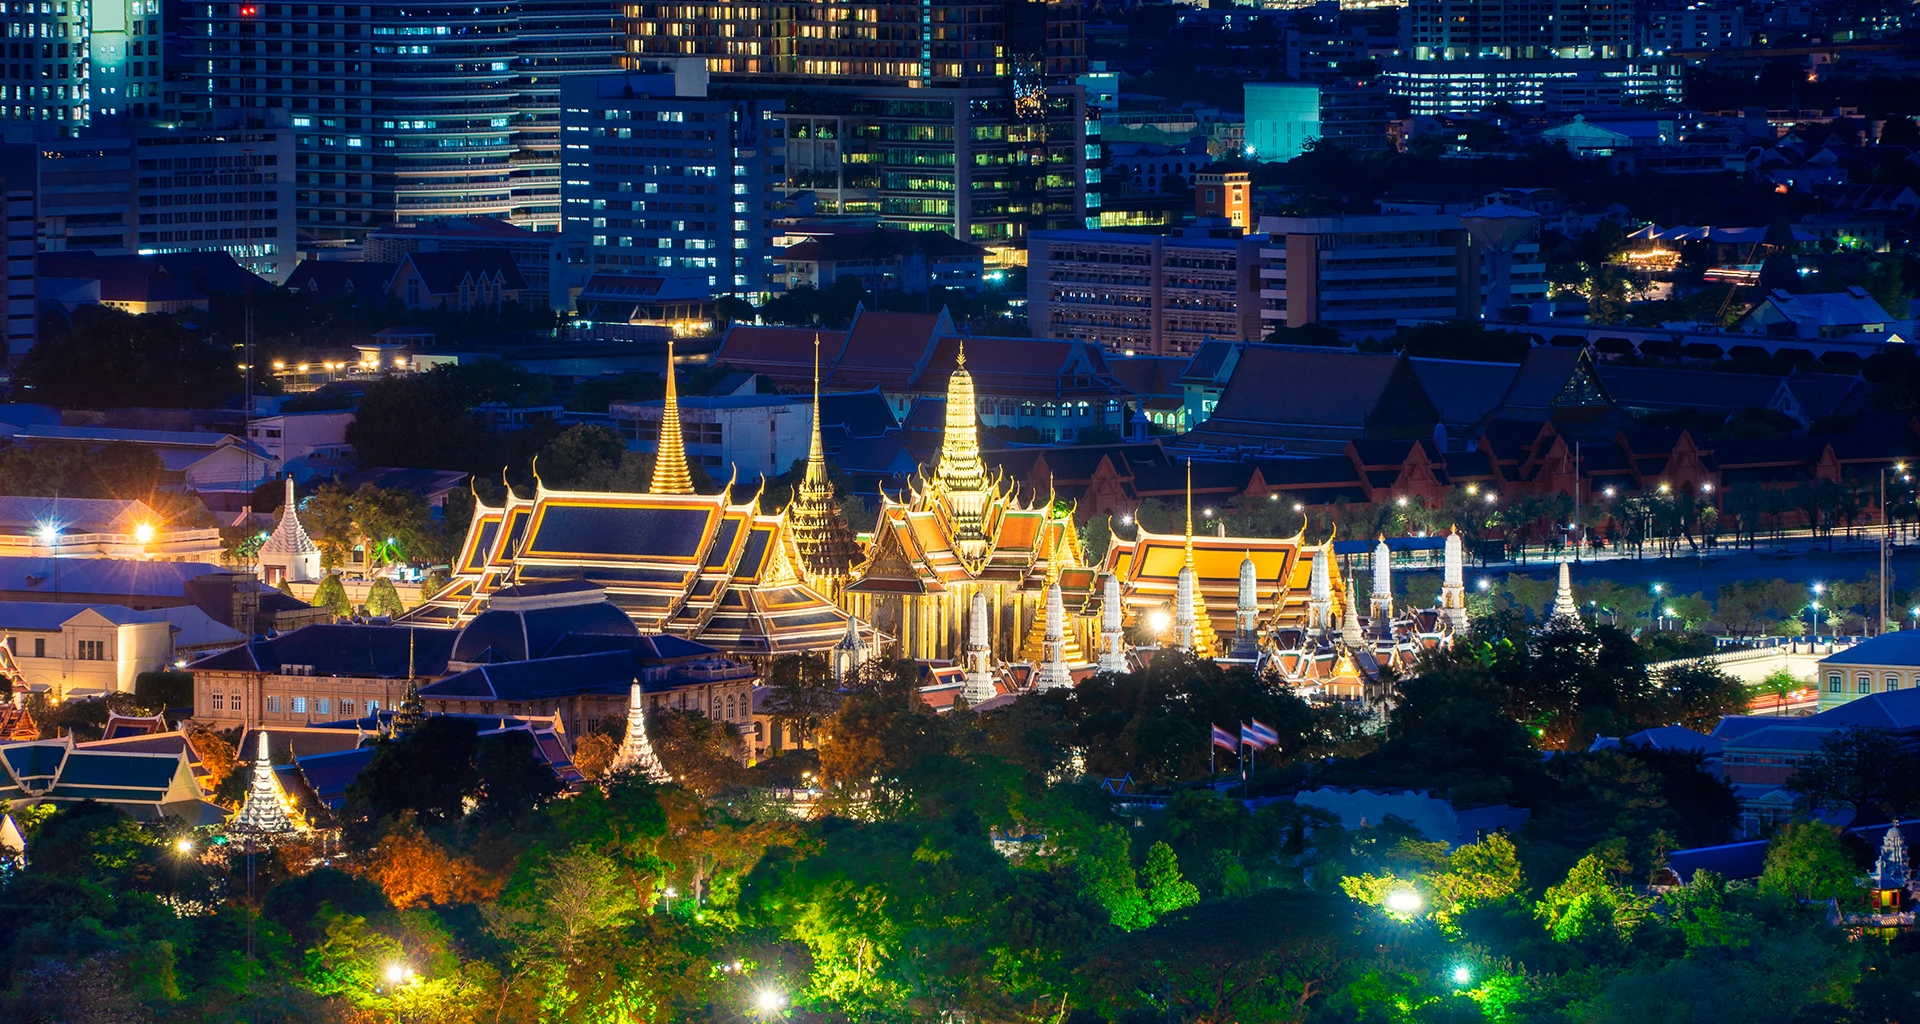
(398, 972)
(1886, 524)
(1462, 974)
(1404, 901)
(183, 846)
(768, 1001)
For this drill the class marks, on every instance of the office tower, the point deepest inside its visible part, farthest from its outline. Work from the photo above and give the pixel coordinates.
(663, 179)
(1517, 29)
(964, 116)
(401, 114)
(211, 188)
(19, 178)
(70, 63)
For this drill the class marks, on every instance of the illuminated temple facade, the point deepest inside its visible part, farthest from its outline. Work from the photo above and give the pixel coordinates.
(701, 566)
(957, 532)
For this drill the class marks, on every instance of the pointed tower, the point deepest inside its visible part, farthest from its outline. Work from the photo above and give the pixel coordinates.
(850, 653)
(289, 555)
(265, 811)
(978, 656)
(1113, 641)
(1380, 608)
(1192, 628)
(1321, 619)
(960, 477)
(1350, 632)
(636, 751)
(1453, 584)
(1565, 612)
(1246, 612)
(1053, 671)
(670, 474)
(827, 545)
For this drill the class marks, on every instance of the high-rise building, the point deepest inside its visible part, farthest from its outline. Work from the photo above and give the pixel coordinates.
(19, 178)
(1139, 294)
(661, 178)
(958, 115)
(218, 188)
(401, 114)
(71, 63)
(1517, 29)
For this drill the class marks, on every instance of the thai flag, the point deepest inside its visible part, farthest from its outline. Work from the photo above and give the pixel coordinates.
(1223, 738)
(1259, 735)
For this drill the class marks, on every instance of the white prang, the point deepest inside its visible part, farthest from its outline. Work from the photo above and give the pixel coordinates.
(636, 751)
(978, 657)
(1113, 654)
(1053, 671)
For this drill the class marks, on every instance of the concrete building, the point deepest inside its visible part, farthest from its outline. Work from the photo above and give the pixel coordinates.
(401, 114)
(1885, 664)
(1143, 294)
(226, 185)
(67, 652)
(1677, 25)
(317, 674)
(1470, 85)
(1363, 274)
(19, 191)
(305, 444)
(88, 61)
(1226, 196)
(966, 117)
(1282, 117)
(750, 434)
(661, 177)
(1446, 30)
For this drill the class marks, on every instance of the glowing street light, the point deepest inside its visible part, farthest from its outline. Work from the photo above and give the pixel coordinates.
(1159, 621)
(1610, 492)
(1401, 501)
(47, 533)
(1484, 583)
(143, 533)
(1404, 901)
(769, 1001)
(183, 845)
(1462, 974)
(398, 973)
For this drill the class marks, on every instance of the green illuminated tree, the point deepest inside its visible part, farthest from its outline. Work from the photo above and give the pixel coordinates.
(1805, 862)
(383, 599)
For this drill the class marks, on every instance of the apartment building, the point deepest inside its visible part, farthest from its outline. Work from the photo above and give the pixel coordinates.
(662, 178)
(964, 116)
(1363, 274)
(1143, 294)
(70, 64)
(1516, 29)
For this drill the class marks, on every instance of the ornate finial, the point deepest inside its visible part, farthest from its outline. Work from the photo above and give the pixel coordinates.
(670, 475)
(1189, 562)
(961, 359)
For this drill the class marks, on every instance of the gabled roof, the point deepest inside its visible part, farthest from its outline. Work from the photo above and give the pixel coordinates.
(441, 273)
(341, 279)
(343, 649)
(1464, 391)
(1850, 308)
(1664, 388)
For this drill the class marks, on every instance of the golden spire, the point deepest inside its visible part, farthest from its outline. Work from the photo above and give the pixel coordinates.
(825, 542)
(670, 474)
(1189, 562)
(960, 477)
(816, 478)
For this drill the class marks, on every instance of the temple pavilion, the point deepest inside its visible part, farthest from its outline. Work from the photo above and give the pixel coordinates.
(708, 567)
(956, 532)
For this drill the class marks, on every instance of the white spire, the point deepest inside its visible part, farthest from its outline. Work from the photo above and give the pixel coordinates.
(1381, 607)
(1453, 584)
(289, 549)
(1890, 869)
(1184, 618)
(1247, 608)
(978, 657)
(1113, 655)
(1053, 671)
(850, 653)
(636, 751)
(1320, 591)
(1564, 610)
(265, 809)
(1350, 623)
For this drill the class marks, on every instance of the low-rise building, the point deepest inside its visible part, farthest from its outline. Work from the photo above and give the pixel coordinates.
(884, 260)
(66, 652)
(305, 444)
(318, 674)
(539, 255)
(1848, 314)
(1885, 664)
(198, 460)
(144, 786)
(464, 282)
(66, 527)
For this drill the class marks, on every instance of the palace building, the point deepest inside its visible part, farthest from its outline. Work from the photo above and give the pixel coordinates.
(956, 532)
(700, 566)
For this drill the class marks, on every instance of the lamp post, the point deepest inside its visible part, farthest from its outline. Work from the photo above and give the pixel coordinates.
(1658, 623)
(1886, 524)
(1818, 589)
